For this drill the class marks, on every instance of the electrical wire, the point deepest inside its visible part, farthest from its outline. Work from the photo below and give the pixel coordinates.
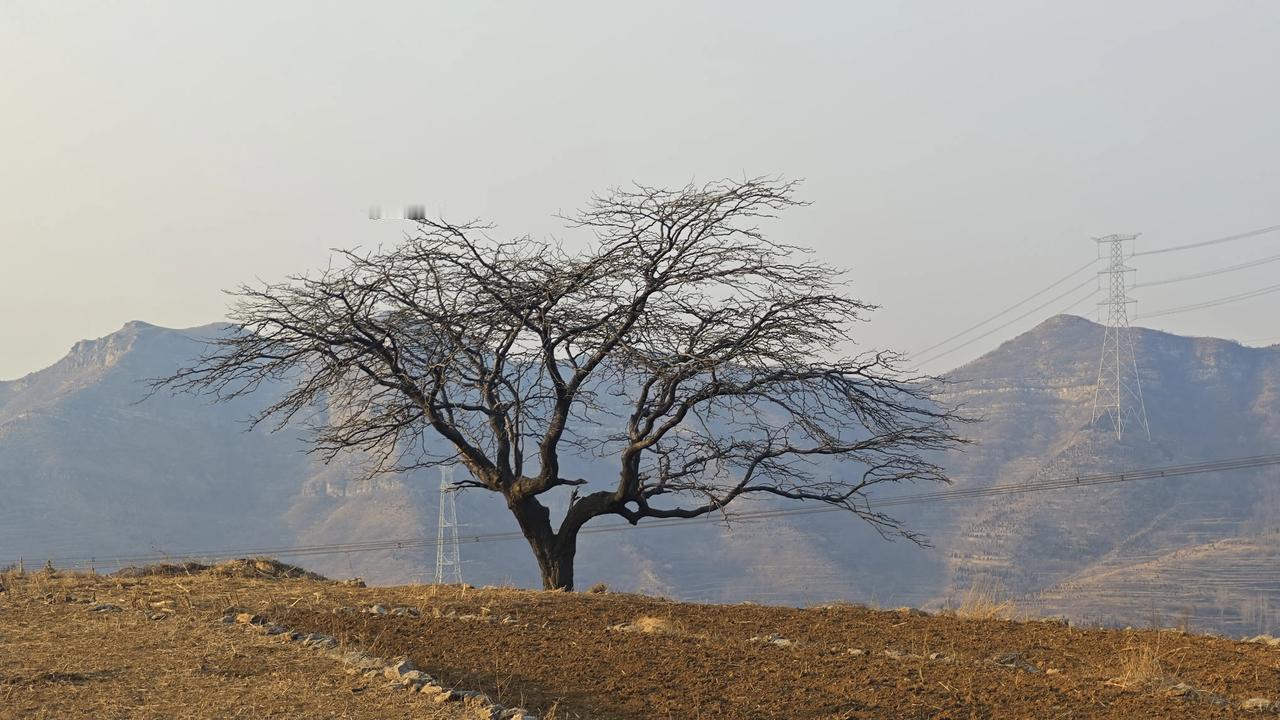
(1174, 471)
(1012, 307)
(1211, 303)
(1170, 471)
(1210, 273)
(1077, 303)
(1206, 243)
(1000, 327)
(1077, 271)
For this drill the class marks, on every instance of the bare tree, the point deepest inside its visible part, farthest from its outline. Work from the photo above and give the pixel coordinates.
(706, 343)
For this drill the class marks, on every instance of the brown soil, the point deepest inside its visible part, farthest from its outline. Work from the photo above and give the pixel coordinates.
(558, 650)
(557, 655)
(59, 659)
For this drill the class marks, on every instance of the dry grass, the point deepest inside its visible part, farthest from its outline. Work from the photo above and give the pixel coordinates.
(985, 601)
(40, 584)
(1142, 663)
(652, 625)
(1138, 666)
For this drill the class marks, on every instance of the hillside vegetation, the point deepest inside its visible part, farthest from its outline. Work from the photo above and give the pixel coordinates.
(215, 642)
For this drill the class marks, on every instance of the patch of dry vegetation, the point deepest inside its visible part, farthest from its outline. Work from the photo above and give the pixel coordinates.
(1138, 666)
(651, 625)
(265, 568)
(985, 601)
(1143, 662)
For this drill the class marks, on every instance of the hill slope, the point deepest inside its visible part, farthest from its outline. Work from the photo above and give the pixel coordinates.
(1205, 398)
(159, 650)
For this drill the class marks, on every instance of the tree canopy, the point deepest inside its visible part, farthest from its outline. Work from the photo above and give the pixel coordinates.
(681, 341)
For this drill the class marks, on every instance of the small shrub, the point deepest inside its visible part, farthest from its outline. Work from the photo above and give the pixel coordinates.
(1142, 663)
(985, 601)
(1138, 666)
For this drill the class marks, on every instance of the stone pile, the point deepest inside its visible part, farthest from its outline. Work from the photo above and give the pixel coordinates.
(1172, 687)
(771, 639)
(383, 611)
(399, 670)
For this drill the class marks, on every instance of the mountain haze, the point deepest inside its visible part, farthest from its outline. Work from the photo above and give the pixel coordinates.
(91, 467)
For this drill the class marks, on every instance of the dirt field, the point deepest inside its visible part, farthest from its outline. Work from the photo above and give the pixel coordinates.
(603, 655)
(60, 659)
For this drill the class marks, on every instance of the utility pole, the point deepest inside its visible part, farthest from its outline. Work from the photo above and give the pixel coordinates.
(1118, 395)
(448, 556)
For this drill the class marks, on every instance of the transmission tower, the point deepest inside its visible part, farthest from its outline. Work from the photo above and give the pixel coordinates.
(1119, 391)
(448, 556)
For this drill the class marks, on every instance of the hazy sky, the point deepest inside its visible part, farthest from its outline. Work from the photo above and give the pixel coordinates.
(959, 155)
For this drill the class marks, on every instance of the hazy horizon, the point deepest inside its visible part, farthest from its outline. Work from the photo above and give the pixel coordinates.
(957, 159)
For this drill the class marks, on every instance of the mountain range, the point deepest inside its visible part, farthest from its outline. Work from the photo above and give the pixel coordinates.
(95, 469)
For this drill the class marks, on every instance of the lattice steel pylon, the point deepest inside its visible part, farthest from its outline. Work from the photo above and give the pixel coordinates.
(448, 556)
(1118, 395)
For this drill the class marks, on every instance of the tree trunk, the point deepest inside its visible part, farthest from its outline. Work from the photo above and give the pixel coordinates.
(556, 565)
(554, 553)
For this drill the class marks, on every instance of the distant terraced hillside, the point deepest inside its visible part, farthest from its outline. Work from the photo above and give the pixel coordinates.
(1122, 552)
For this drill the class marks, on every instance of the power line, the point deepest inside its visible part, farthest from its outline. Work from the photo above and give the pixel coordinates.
(1012, 307)
(1211, 303)
(1170, 471)
(1077, 271)
(1024, 315)
(1216, 241)
(1210, 273)
(1077, 303)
